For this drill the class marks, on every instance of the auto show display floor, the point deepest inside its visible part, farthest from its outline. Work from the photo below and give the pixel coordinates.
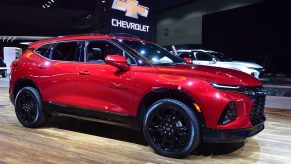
(68, 140)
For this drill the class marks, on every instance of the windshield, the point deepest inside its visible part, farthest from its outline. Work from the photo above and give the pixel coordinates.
(153, 53)
(220, 56)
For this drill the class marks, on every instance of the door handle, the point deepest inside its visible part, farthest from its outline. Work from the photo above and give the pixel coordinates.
(84, 73)
(41, 66)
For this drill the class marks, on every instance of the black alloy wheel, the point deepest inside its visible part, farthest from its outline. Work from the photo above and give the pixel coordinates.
(28, 108)
(171, 128)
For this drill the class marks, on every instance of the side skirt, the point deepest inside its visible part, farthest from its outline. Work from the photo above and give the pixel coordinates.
(91, 115)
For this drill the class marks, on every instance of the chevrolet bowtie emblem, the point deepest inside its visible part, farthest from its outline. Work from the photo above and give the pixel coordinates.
(131, 7)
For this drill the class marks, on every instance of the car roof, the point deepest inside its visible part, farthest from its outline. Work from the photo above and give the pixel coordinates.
(80, 37)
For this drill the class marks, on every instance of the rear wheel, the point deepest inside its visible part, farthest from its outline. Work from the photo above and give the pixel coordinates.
(171, 128)
(28, 108)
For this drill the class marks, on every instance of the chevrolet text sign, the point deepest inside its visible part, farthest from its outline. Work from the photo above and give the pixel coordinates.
(132, 9)
(129, 25)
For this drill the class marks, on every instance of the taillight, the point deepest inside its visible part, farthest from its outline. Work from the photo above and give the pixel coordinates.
(14, 64)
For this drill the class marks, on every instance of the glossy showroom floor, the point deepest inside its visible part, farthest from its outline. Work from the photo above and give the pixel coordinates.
(67, 140)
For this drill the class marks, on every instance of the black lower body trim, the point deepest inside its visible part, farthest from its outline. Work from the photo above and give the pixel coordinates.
(229, 136)
(91, 115)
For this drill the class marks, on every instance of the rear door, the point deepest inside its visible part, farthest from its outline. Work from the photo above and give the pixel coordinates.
(57, 72)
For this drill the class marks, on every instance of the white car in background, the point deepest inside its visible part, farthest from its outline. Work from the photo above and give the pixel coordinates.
(216, 59)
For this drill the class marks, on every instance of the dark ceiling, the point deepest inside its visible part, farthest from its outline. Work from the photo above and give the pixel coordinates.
(68, 16)
(85, 4)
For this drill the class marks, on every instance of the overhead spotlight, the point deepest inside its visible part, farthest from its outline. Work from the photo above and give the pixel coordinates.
(48, 4)
(89, 16)
(25, 43)
(103, 1)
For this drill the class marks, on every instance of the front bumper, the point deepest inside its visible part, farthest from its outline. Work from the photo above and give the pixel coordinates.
(229, 136)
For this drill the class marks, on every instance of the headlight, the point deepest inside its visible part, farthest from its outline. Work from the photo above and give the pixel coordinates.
(232, 88)
(249, 91)
(226, 87)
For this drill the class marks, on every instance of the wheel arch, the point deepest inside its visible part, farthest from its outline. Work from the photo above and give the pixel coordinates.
(163, 93)
(21, 83)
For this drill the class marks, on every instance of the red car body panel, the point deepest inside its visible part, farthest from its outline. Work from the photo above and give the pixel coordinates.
(106, 88)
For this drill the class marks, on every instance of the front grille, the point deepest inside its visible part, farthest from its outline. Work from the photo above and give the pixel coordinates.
(258, 97)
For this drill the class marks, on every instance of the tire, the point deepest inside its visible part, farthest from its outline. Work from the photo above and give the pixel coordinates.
(171, 128)
(29, 109)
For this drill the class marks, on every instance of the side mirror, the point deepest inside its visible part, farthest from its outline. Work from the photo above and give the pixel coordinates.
(118, 61)
(188, 60)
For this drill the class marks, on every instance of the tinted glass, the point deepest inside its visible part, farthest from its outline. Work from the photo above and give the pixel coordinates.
(65, 51)
(153, 53)
(44, 50)
(185, 55)
(220, 56)
(203, 56)
(98, 50)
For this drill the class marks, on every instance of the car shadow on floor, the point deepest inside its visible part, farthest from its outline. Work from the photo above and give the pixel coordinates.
(213, 149)
(129, 135)
(97, 129)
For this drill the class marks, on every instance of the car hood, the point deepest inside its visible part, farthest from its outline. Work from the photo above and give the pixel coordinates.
(245, 64)
(211, 74)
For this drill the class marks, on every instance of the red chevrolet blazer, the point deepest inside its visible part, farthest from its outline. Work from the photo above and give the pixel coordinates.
(136, 83)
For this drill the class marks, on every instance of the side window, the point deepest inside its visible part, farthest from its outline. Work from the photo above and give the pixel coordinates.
(98, 50)
(44, 50)
(66, 51)
(203, 56)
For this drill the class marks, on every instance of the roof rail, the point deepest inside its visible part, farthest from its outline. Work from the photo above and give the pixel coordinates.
(124, 35)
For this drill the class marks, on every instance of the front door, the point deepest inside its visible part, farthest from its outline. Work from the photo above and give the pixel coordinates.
(104, 87)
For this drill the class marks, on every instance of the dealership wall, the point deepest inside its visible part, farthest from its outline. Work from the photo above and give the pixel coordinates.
(46, 22)
(183, 24)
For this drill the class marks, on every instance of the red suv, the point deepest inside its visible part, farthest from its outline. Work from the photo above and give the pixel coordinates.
(137, 83)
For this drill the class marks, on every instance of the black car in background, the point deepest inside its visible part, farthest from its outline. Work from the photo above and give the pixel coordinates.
(3, 71)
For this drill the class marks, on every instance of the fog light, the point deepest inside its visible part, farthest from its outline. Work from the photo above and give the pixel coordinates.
(229, 114)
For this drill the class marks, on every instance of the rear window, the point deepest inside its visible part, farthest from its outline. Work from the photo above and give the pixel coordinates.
(44, 50)
(66, 51)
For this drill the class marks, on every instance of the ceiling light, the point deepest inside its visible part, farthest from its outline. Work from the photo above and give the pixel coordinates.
(25, 43)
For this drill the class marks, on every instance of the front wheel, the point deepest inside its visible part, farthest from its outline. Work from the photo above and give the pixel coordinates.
(171, 128)
(28, 108)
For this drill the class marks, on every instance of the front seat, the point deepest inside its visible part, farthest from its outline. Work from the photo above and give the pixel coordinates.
(94, 55)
